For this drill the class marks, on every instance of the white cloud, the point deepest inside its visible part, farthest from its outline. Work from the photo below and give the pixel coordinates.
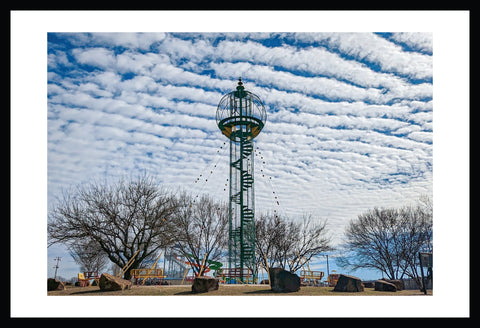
(141, 41)
(319, 86)
(100, 57)
(375, 49)
(417, 41)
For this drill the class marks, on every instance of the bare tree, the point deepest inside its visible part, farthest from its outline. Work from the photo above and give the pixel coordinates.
(311, 241)
(415, 235)
(200, 230)
(370, 243)
(388, 240)
(289, 243)
(120, 219)
(270, 232)
(88, 254)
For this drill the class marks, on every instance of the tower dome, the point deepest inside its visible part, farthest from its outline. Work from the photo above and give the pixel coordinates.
(241, 114)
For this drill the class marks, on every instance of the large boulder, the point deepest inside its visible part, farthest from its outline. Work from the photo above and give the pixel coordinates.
(109, 283)
(204, 284)
(282, 281)
(349, 284)
(54, 284)
(397, 282)
(385, 286)
(368, 284)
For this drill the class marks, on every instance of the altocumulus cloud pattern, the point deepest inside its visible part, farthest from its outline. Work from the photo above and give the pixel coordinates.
(350, 115)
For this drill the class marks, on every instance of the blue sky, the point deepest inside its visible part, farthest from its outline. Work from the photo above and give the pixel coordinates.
(349, 127)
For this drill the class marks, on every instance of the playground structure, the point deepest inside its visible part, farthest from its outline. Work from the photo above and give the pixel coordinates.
(87, 276)
(311, 278)
(174, 266)
(204, 267)
(332, 279)
(241, 116)
(145, 273)
(234, 275)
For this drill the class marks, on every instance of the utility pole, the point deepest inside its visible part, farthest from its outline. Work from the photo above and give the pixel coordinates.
(58, 259)
(328, 269)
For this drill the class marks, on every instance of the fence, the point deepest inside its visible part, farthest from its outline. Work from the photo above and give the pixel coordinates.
(411, 284)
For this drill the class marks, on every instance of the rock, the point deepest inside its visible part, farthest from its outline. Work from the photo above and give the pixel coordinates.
(54, 284)
(108, 282)
(204, 284)
(385, 286)
(349, 284)
(397, 282)
(368, 284)
(282, 281)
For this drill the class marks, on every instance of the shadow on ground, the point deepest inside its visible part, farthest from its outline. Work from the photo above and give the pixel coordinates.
(93, 292)
(252, 293)
(187, 292)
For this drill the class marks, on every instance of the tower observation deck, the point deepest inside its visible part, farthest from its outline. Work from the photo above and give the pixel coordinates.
(240, 117)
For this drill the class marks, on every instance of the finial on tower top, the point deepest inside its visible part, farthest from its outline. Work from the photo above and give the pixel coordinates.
(240, 84)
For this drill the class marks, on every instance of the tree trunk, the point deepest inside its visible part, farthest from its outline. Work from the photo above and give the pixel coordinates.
(127, 275)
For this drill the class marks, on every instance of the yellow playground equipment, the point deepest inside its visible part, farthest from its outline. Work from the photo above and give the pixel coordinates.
(145, 273)
(332, 279)
(309, 277)
(85, 278)
(128, 265)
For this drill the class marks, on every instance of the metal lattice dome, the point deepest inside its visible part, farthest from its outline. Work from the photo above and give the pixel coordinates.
(241, 114)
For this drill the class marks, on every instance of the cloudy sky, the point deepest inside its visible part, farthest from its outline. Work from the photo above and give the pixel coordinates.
(349, 127)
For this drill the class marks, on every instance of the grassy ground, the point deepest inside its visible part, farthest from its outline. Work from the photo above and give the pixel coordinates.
(224, 290)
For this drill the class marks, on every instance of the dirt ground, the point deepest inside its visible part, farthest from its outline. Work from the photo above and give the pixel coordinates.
(224, 290)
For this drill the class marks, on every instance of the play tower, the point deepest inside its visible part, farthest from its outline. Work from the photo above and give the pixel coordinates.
(241, 116)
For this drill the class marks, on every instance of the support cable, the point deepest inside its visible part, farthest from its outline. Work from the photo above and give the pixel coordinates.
(275, 194)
